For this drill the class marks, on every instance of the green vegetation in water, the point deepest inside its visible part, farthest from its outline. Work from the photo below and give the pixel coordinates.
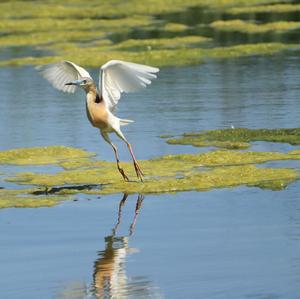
(112, 9)
(24, 198)
(161, 57)
(41, 155)
(161, 43)
(170, 173)
(167, 173)
(250, 28)
(271, 8)
(238, 138)
(85, 33)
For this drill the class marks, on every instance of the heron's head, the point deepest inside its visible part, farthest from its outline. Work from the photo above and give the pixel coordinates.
(86, 83)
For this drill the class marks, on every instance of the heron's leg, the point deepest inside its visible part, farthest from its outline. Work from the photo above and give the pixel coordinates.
(137, 167)
(121, 170)
(107, 139)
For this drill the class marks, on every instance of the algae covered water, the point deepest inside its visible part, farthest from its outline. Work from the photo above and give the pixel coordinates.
(225, 243)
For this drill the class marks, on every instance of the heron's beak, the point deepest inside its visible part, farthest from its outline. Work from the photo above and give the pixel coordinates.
(76, 82)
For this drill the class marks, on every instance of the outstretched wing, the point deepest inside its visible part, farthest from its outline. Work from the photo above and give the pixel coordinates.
(118, 76)
(58, 74)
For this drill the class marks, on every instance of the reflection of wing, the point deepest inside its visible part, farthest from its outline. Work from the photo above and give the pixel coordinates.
(58, 74)
(118, 76)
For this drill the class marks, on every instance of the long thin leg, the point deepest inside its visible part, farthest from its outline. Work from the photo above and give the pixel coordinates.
(137, 210)
(121, 170)
(121, 204)
(137, 167)
(106, 138)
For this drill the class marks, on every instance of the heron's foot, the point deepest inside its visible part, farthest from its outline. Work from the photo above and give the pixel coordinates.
(138, 171)
(125, 177)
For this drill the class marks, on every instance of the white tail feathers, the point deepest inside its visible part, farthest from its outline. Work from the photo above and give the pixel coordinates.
(124, 122)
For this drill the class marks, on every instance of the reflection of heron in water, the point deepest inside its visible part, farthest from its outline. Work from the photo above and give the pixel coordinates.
(109, 278)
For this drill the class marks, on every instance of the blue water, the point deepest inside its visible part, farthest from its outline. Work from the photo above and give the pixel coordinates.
(247, 92)
(239, 243)
(226, 243)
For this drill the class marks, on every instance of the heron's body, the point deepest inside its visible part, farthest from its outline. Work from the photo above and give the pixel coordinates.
(96, 111)
(115, 77)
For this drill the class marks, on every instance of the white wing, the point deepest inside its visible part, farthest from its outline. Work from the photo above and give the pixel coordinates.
(58, 74)
(118, 76)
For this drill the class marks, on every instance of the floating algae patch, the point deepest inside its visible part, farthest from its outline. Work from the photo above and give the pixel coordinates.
(199, 142)
(43, 38)
(112, 9)
(275, 185)
(107, 9)
(226, 158)
(238, 138)
(171, 173)
(218, 177)
(42, 155)
(161, 43)
(26, 199)
(271, 9)
(159, 57)
(175, 27)
(50, 25)
(80, 163)
(250, 27)
(129, 30)
(43, 32)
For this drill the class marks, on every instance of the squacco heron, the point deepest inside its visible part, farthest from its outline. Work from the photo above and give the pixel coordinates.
(115, 77)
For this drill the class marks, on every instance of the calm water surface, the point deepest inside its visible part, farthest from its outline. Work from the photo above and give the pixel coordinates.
(227, 243)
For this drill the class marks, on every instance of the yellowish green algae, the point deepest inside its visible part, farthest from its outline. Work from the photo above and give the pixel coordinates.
(42, 155)
(24, 198)
(249, 27)
(273, 8)
(223, 158)
(169, 173)
(86, 33)
(162, 43)
(219, 177)
(161, 57)
(238, 138)
(199, 142)
(165, 170)
(112, 8)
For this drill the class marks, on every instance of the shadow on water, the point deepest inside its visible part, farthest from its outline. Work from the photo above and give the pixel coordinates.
(110, 279)
(54, 190)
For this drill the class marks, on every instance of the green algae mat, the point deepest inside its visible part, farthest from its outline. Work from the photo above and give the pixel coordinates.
(80, 173)
(161, 33)
(237, 138)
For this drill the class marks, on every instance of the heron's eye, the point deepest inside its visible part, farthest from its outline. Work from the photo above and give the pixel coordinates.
(84, 81)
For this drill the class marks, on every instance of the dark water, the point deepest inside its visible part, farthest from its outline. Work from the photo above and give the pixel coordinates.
(21, 51)
(226, 243)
